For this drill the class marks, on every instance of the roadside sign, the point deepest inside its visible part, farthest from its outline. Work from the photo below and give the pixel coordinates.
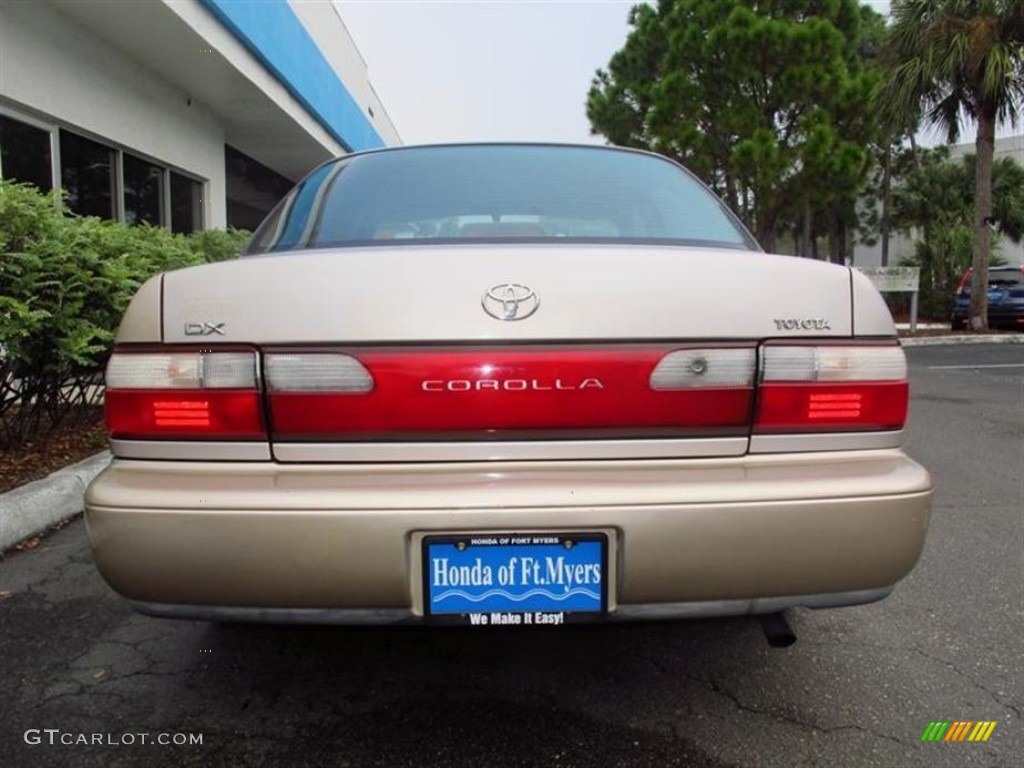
(897, 280)
(893, 279)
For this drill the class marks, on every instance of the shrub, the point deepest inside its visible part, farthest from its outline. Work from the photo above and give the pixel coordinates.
(65, 281)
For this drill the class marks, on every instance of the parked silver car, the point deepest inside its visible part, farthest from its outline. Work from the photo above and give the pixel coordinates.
(505, 384)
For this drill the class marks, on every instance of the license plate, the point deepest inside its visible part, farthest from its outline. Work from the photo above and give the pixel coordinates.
(515, 578)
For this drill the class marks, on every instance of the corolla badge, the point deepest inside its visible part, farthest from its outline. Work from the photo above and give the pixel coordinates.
(510, 301)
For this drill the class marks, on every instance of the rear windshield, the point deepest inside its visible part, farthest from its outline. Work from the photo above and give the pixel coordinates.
(498, 193)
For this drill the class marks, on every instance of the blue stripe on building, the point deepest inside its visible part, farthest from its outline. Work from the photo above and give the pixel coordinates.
(275, 35)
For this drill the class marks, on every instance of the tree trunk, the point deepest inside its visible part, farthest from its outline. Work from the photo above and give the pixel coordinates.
(808, 229)
(834, 229)
(731, 198)
(765, 231)
(913, 151)
(984, 147)
(886, 184)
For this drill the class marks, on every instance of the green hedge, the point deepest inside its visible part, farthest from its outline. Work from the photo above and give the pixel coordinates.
(65, 281)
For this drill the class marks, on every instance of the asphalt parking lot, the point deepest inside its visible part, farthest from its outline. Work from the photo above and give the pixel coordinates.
(858, 688)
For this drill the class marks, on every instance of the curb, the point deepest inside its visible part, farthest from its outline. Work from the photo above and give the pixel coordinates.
(32, 508)
(980, 338)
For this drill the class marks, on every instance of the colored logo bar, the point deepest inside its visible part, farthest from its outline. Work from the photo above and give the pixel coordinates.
(959, 730)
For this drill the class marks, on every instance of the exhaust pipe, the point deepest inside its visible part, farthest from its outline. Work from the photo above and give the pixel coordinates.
(777, 631)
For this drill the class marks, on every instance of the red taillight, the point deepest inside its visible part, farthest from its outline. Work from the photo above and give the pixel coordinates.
(605, 391)
(181, 413)
(831, 389)
(963, 281)
(224, 414)
(183, 395)
(831, 407)
(547, 393)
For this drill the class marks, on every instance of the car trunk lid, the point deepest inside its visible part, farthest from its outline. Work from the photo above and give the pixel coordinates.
(434, 294)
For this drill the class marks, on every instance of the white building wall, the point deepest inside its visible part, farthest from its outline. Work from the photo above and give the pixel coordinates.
(56, 67)
(326, 27)
(901, 246)
(1012, 147)
(204, 24)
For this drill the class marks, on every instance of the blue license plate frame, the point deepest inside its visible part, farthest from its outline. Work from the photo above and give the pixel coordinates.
(515, 579)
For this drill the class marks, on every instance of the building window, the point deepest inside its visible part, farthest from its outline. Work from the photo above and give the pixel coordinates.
(186, 204)
(143, 191)
(252, 189)
(98, 179)
(87, 175)
(25, 153)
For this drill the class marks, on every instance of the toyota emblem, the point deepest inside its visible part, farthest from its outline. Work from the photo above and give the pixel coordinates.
(510, 301)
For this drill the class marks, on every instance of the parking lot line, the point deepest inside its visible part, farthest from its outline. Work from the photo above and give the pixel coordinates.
(973, 367)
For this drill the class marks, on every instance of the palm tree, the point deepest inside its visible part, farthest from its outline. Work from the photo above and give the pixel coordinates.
(951, 58)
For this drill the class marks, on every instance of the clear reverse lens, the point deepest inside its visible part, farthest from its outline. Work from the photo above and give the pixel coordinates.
(182, 370)
(224, 370)
(688, 368)
(861, 363)
(316, 373)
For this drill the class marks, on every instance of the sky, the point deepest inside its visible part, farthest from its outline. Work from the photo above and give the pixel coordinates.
(491, 70)
(486, 71)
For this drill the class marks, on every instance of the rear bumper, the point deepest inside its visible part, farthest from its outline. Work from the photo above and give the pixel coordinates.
(340, 544)
(1009, 317)
(652, 611)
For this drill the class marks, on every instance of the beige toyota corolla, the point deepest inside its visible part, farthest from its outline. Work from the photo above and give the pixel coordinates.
(505, 384)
